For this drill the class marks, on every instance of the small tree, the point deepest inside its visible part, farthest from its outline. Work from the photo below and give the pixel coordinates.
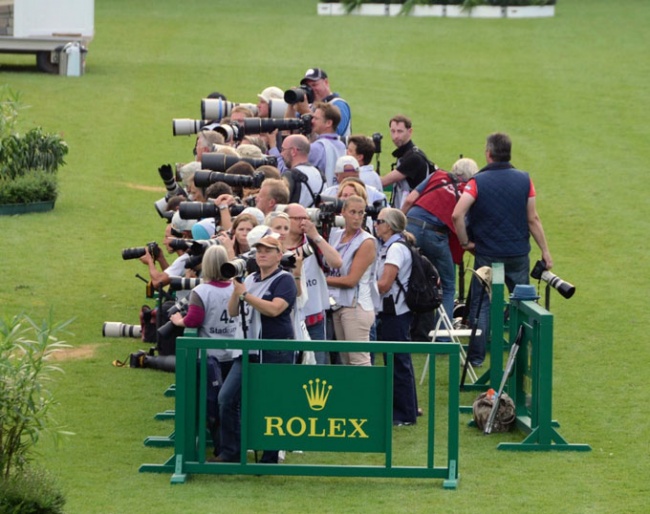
(25, 398)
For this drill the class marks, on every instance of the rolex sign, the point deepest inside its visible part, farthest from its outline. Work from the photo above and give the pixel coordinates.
(317, 408)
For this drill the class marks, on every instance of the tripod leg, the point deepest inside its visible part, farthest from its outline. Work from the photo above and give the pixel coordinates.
(472, 337)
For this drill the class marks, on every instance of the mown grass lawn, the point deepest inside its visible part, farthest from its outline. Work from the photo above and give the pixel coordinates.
(573, 93)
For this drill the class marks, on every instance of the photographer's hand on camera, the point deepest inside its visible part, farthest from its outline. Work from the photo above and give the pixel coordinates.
(223, 203)
(177, 319)
(228, 243)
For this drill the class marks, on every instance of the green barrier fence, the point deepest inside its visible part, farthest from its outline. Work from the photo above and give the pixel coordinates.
(311, 408)
(531, 383)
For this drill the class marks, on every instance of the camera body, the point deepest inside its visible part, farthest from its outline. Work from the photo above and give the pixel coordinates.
(376, 138)
(181, 305)
(299, 94)
(540, 272)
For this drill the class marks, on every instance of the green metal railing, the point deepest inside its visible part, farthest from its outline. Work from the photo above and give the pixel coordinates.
(291, 410)
(531, 384)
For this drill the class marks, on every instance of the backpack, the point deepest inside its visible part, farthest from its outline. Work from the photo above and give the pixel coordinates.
(432, 167)
(424, 293)
(296, 179)
(505, 416)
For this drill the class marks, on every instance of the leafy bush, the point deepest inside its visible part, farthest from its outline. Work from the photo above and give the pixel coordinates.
(31, 492)
(29, 162)
(25, 399)
(34, 186)
(33, 151)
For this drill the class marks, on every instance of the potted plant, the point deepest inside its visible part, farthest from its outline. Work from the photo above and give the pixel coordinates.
(28, 162)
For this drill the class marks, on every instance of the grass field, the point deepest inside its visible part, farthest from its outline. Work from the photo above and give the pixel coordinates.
(573, 93)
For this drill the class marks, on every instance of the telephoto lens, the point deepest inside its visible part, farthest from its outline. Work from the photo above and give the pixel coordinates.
(117, 329)
(133, 253)
(234, 268)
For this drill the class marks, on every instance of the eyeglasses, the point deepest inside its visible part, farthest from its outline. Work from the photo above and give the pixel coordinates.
(285, 148)
(298, 218)
(380, 222)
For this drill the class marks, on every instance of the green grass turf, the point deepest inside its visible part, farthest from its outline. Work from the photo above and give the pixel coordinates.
(573, 93)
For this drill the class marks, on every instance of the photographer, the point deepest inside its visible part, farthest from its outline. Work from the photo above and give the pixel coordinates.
(428, 209)
(316, 79)
(348, 167)
(265, 299)
(303, 231)
(412, 165)
(160, 277)
(305, 181)
(353, 286)
(499, 202)
(208, 311)
(363, 149)
(272, 193)
(393, 271)
(235, 240)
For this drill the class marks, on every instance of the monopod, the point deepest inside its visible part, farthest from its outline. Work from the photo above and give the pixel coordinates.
(506, 373)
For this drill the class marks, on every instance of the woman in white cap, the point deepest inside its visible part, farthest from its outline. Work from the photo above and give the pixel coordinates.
(265, 299)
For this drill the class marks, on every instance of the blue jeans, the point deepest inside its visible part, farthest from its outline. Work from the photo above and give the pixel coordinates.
(229, 400)
(405, 401)
(516, 271)
(317, 333)
(436, 247)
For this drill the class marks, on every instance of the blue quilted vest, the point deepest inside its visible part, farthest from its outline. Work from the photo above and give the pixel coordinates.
(498, 219)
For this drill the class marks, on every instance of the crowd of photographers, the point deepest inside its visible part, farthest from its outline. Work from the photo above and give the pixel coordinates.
(283, 222)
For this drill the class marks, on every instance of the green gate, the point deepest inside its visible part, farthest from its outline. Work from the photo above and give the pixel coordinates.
(310, 408)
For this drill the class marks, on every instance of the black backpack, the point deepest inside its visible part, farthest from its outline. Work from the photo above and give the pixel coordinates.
(424, 293)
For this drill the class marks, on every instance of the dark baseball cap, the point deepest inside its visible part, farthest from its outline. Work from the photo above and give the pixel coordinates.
(314, 74)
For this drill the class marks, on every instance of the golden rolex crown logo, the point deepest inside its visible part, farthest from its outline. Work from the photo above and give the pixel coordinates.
(317, 393)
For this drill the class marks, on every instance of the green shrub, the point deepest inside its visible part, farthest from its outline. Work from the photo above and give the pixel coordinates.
(33, 186)
(33, 151)
(25, 396)
(31, 492)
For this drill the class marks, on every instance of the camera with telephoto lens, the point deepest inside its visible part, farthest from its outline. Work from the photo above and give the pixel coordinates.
(205, 178)
(236, 131)
(177, 243)
(183, 284)
(215, 108)
(374, 209)
(242, 265)
(189, 126)
(298, 94)
(199, 246)
(201, 210)
(181, 305)
(376, 138)
(221, 162)
(117, 329)
(139, 251)
(541, 273)
(167, 175)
